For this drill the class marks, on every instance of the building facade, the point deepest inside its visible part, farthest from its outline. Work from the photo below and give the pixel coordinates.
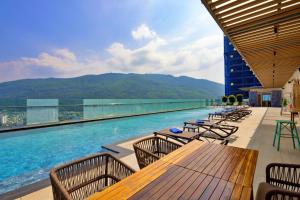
(237, 73)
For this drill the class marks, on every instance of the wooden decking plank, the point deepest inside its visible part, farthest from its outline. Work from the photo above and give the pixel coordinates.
(179, 154)
(234, 165)
(205, 161)
(219, 190)
(237, 192)
(227, 191)
(209, 190)
(248, 180)
(223, 154)
(214, 169)
(187, 193)
(176, 194)
(247, 193)
(153, 191)
(244, 173)
(191, 157)
(229, 161)
(201, 188)
(165, 185)
(240, 169)
(160, 181)
(200, 157)
(178, 186)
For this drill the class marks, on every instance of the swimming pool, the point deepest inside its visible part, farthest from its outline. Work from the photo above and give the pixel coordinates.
(27, 156)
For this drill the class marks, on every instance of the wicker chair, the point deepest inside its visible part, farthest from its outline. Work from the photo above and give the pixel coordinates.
(84, 177)
(151, 149)
(282, 182)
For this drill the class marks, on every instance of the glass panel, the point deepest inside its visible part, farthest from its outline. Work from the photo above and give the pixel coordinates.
(41, 111)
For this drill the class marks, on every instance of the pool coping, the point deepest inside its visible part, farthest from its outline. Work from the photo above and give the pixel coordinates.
(36, 126)
(113, 148)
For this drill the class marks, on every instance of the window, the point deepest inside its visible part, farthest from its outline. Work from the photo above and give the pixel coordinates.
(266, 97)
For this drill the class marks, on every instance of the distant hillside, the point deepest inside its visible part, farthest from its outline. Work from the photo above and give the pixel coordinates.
(113, 85)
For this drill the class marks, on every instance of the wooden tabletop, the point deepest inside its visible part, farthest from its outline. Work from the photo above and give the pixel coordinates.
(198, 170)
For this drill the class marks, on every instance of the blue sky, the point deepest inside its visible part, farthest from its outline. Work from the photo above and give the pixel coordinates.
(67, 38)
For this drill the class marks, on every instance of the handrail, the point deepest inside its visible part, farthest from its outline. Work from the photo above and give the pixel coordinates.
(106, 104)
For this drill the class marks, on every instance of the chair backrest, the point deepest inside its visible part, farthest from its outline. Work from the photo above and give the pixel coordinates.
(150, 149)
(84, 177)
(285, 176)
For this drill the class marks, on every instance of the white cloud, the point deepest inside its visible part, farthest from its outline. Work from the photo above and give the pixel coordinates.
(200, 58)
(143, 32)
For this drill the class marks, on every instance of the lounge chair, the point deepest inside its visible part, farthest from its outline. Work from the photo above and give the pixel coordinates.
(151, 149)
(282, 182)
(186, 136)
(215, 130)
(84, 177)
(230, 114)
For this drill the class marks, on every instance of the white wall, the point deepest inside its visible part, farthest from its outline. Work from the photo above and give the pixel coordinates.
(287, 92)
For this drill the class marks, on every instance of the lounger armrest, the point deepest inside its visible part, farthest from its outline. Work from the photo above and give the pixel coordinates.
(284, 175)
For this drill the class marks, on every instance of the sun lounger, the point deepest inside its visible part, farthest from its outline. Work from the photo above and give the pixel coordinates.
(212, 130)
(230, 114)
(187, 136)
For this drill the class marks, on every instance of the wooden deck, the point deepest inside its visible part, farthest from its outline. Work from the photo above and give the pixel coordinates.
(198, 170)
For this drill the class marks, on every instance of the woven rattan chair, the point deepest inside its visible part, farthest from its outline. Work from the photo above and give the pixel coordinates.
(282, 182)
(84, 177)
(151, 149)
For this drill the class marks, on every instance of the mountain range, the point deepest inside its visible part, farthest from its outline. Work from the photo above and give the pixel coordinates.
(113, 86)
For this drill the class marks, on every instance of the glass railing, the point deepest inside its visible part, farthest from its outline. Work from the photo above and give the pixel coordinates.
(31, 112)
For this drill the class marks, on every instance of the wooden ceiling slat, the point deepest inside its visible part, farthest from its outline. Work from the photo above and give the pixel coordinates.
(276, 13)
(264, 20)
(267, 41)
(231, 6)
(241, 8)
(220, 2)
(256, 34)
(251, 12)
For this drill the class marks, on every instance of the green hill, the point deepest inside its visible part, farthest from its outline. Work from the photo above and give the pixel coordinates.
(113, 85)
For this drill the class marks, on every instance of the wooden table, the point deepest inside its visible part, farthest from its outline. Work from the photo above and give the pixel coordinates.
(198, 170)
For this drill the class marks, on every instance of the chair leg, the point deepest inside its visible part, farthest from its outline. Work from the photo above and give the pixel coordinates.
(275, 133)
(279, 134)
(292, 127)
(297, 136)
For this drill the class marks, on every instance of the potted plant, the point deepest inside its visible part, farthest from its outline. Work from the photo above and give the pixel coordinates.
(232, 99)
(224, 100)
(239, 98)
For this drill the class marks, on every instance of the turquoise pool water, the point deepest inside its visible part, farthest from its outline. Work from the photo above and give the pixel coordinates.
(27, 156)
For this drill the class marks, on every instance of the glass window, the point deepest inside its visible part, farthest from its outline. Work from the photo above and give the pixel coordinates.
(266, 97)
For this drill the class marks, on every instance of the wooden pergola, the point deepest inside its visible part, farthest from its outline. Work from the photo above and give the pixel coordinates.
(265, 32)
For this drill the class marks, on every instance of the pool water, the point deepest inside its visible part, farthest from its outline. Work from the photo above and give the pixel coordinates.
(27, 156)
